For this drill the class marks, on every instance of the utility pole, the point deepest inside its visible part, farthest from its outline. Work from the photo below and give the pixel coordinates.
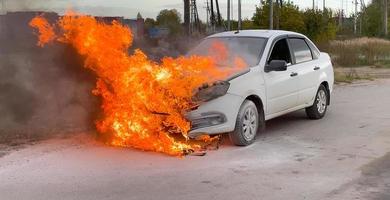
(239, 16)
(277, 15)
(219, 18)
(212, 15)
(362, 10)
(271, 14)
(208, 15)
(355, 19)
(341, 15)
(228, 16)
(323, 5)
(314, 5)
(232, 10)
(187, 16)
(194, 19)
(385, 17)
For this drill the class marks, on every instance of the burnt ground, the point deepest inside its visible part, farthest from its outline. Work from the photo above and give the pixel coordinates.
(374, 182)
(343, 156)
(376, 175)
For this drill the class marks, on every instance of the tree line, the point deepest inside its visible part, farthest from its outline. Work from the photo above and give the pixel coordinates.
(320, 25)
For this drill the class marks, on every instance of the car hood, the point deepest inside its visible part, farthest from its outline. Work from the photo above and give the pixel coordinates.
(238, 74)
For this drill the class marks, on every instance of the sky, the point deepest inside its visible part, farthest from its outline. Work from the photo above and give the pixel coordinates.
(150, 8)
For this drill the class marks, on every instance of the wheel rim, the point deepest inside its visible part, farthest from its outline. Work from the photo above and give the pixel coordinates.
(321, 101)
(249, 125)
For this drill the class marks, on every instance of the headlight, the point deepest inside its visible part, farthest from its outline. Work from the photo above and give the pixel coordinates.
(210, 92)
(207, 120)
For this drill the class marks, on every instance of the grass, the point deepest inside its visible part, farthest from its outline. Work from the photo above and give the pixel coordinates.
(360, 52)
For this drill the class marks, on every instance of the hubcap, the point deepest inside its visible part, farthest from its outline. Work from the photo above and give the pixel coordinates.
(249, 125)
(321, 101)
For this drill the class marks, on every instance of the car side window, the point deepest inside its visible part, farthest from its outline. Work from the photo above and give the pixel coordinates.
(280, 52)
(301, 50)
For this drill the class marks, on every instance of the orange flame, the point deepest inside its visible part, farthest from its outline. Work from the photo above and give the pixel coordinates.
(144, 102)
(46, 32)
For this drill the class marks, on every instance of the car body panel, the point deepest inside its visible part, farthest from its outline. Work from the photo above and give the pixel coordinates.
(228, 104)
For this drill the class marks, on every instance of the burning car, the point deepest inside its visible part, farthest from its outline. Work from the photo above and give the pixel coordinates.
(231, 82)
(286, 72)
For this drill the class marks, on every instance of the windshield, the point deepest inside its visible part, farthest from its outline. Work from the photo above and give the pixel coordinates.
(227, 50)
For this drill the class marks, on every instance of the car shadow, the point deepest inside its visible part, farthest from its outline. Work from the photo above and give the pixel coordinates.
(276, 127)
(285, 121)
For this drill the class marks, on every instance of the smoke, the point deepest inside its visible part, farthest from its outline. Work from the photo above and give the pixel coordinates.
(26, 5)
(47, 91)
(44, 91)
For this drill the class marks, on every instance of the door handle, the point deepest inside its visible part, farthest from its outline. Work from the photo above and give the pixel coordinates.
(294, 74)
(316, 68)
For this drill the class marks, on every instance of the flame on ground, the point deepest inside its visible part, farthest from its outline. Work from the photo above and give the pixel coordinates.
(143, 102)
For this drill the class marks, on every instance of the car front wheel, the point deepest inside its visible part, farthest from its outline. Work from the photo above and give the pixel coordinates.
(247, 125)
(318, 109)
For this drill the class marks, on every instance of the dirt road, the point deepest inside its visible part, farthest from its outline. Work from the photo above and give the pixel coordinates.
(344, 156)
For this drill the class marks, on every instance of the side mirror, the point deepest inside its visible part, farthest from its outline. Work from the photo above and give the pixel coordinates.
(276, 65)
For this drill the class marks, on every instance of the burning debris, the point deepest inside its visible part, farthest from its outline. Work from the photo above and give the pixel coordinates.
(143, 102)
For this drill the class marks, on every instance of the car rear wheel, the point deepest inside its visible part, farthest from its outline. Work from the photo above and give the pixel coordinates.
(320, 106)
(247, 125)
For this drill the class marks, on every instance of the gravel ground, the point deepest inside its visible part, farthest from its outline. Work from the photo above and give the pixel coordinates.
(343, 156)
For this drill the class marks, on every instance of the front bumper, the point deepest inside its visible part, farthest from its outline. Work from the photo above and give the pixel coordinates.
(216, 116)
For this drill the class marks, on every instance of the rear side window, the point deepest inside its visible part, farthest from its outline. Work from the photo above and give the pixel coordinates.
(301, 50)
(314, 50)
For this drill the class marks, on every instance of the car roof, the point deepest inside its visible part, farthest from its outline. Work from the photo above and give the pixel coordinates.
(255, 33)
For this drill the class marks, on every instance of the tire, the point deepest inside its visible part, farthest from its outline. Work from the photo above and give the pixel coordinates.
(248, 123)
(320, 106)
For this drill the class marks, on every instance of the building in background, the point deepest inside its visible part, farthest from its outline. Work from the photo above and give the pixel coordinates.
(17, 22)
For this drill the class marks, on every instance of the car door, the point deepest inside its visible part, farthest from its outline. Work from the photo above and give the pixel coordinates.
(281, 86)
(306, 67)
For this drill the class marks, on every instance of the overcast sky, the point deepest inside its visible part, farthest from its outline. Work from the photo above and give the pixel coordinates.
(149, 8)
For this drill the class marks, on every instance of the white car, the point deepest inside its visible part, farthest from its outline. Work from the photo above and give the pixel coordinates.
(287, 73)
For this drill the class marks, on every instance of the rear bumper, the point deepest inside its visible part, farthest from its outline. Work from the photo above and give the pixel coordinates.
(216, 116)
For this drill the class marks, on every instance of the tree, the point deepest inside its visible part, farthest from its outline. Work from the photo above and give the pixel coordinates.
(373, 19)
(149, 23)
(171, 20)
(139, 16)
(290, 17)
(249, 24)
(319, 25)
(316, 24)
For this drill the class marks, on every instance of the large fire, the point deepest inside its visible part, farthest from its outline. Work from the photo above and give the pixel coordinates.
(143, 102)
